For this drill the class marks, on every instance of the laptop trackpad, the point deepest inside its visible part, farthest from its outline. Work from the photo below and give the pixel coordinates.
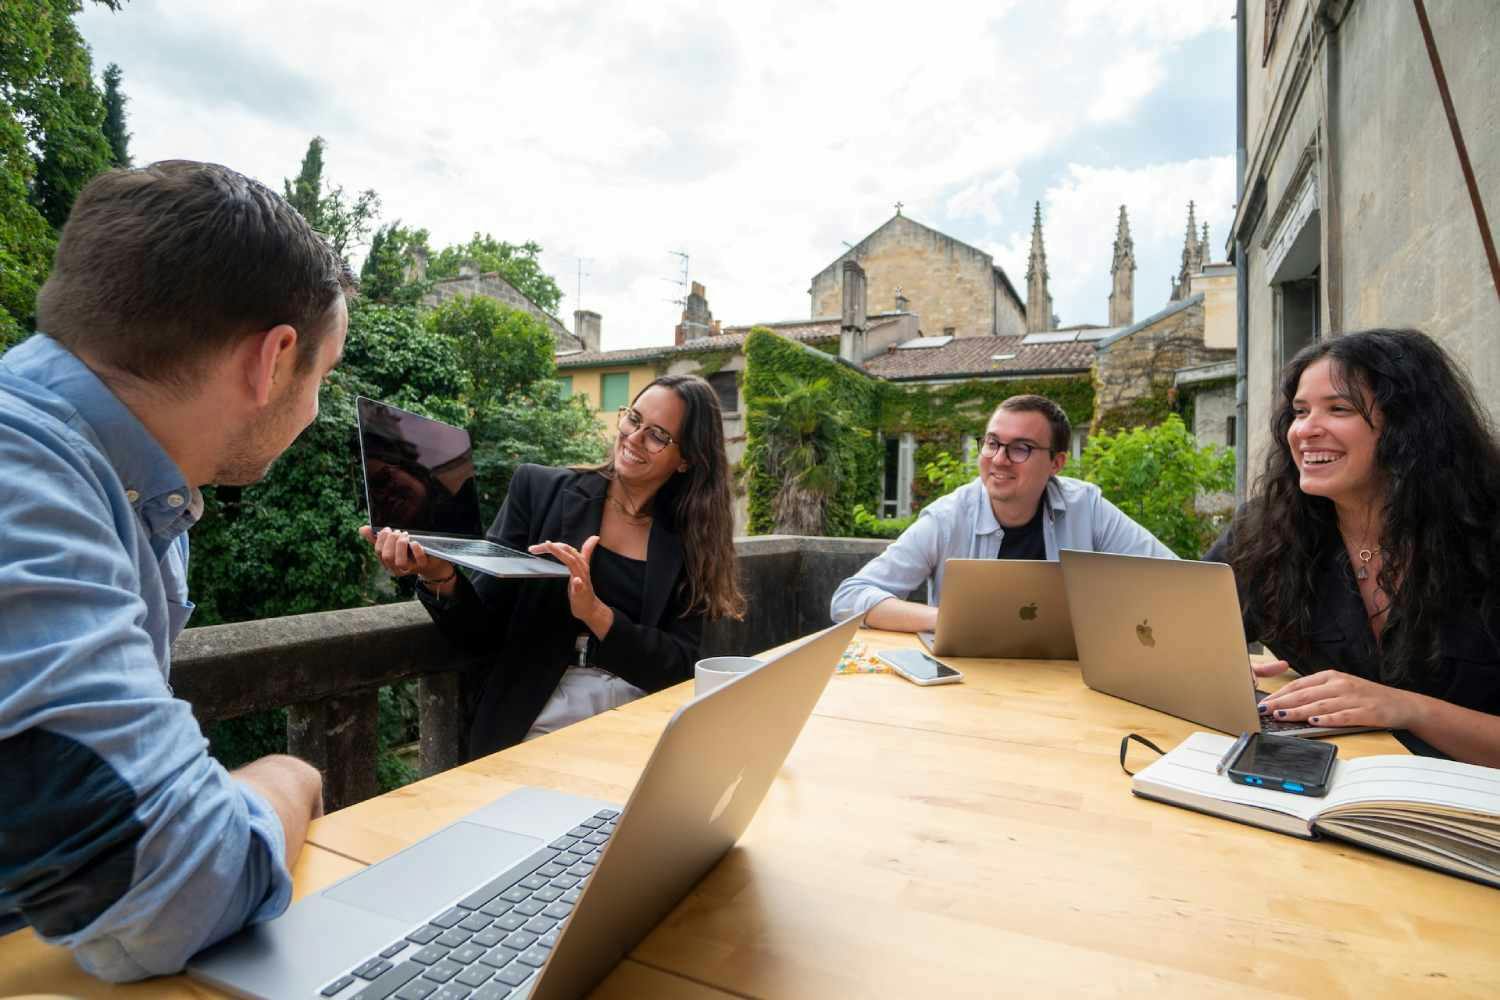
(414, 884)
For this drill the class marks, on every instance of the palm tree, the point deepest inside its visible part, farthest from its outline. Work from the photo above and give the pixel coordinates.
(794, 439)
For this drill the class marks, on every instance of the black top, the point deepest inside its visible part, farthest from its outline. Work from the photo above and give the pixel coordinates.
(1468, 670)
(525, 627)
(618, 581)
(1026, 541)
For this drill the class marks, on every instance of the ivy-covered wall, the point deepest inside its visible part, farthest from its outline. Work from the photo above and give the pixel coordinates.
(859, 456)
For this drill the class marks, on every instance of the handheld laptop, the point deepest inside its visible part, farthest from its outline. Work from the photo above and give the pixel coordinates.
(1167, 634)
(541, 893)
(419, 478)
(1002, 609)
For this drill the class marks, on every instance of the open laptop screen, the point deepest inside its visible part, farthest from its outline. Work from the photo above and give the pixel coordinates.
(419, 473)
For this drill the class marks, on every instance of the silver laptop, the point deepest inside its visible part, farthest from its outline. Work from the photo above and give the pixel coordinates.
(1002, 609)
(419, 478)
(1167, 634)
(541, 893)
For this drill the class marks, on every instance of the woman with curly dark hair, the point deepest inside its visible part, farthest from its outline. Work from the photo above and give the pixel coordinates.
(1369, 553)
(648, 537)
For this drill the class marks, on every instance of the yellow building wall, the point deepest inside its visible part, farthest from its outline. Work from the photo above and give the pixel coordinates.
(589, 382)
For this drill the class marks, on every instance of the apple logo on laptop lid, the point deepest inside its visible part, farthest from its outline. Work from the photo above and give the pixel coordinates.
(727, 797)
(1143, 633)
(1028, 612)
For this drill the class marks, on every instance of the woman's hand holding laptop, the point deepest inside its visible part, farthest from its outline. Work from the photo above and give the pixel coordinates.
(401, 557)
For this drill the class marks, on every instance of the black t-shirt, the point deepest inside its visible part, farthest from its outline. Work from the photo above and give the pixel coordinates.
(1026, 541)
(619, 581)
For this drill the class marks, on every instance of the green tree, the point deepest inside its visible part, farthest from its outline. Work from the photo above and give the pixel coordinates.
(1162, 479)
(344, 219)
(114, 116)
(535, 425)
(385, 276)
(502, 351)
(517, 264)
(47, 148)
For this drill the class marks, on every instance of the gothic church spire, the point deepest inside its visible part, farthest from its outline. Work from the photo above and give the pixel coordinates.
(1038, 301)
(1122, 271)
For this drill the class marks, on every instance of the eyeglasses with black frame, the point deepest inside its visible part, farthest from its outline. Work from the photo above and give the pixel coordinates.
(1016, 452)
(657, 437)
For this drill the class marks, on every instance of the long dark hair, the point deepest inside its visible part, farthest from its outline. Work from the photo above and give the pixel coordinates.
(699, 500)
(1440, 519)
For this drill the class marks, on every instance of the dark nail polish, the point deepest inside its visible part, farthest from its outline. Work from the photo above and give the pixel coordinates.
(1313, 720)
(1263, 709)
(1281, 713)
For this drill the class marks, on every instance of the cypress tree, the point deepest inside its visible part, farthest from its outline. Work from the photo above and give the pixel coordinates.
(114, 116)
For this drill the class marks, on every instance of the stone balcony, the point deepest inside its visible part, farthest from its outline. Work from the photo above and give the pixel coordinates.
(326, 669)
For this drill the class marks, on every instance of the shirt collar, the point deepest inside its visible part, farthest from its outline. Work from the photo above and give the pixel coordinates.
(153, 483)
(985, 522)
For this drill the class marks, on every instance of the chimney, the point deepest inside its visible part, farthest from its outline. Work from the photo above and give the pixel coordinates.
(902, 303)
(697, 321)
(586, 327)
(855, 313)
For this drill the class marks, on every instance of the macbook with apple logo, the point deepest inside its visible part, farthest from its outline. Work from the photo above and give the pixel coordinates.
(541, 893)
(1167, 634)
(1002, 609)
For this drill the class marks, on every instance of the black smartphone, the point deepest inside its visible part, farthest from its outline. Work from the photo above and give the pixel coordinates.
(1285, 763)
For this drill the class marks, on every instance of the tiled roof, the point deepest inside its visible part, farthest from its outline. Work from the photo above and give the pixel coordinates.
(975, 356)
(732, 338)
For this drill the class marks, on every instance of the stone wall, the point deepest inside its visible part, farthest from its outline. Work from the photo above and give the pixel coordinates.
(1212, 408)
(1398, 243)
(492, 286)
(950, 285)
(1138, 366)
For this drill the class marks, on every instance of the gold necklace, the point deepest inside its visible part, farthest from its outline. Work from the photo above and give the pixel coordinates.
(1362, 572)
(640, 516)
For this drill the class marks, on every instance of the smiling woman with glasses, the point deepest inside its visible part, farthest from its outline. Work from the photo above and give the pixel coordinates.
(648, 536)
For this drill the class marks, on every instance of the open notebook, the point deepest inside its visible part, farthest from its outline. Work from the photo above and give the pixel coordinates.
(1438, 813)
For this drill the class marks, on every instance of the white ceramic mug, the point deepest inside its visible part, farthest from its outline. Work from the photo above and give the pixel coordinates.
(715, 671)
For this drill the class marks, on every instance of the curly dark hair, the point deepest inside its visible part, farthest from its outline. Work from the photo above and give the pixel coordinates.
(1440, 519)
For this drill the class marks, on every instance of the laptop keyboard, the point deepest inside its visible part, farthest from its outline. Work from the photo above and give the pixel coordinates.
(488, 944)
(1271, 725)
(470, 547)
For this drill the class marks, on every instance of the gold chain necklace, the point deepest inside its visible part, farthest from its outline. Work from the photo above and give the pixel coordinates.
(640, 516)
(1362, 572)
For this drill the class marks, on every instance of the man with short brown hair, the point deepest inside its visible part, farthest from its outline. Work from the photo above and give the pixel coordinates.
(189, 319)
(1018, 508)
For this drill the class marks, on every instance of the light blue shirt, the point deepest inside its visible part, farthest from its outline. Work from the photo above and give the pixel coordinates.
(962, 525)
(120, 837)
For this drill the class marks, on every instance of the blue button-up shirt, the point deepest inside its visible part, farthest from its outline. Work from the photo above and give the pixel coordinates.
(120, 837)
(962, 525)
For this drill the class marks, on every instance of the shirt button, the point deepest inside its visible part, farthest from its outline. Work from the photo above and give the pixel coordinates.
(132, 496)
(174, 500)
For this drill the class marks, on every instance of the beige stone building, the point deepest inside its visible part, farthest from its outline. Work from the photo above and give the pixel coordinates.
(1354, 209)
(957, 289)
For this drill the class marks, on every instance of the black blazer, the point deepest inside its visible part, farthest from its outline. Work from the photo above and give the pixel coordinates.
(528, 625)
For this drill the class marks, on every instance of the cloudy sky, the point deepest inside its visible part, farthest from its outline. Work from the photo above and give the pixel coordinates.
(758, 139)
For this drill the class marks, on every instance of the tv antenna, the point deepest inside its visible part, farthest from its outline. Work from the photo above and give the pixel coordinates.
(578, 300)
(681, 282)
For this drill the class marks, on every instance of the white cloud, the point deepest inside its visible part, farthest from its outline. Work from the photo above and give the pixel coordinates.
(1079, 215)
(757, 139)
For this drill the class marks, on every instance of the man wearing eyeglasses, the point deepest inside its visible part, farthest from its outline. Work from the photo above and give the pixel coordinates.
(1018, 508)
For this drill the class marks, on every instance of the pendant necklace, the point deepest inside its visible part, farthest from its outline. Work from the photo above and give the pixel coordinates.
(1365, 555)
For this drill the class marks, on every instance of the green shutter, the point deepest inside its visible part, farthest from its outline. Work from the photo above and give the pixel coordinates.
(615, 389)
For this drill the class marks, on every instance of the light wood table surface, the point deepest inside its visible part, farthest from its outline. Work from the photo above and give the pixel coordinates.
(970, 839)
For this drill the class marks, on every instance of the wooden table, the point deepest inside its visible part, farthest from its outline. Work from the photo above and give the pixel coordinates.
(969, 839)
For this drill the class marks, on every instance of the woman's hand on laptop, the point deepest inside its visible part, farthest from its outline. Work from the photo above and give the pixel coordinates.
(1334, 698)
(582, 600)
(402, 557)
(1271, 669)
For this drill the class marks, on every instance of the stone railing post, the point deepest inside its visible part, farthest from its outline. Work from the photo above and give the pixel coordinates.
(339, 737)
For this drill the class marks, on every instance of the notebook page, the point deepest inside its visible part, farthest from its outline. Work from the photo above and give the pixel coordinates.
(1187, 775)
(1414, 782)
